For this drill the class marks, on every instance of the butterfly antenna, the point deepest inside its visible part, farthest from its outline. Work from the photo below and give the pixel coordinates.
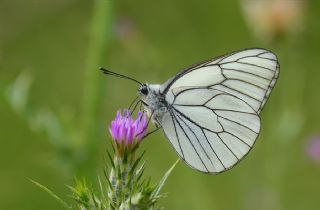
(106, 71)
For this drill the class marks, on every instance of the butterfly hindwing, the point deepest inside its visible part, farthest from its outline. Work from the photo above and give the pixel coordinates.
(213, 118)
(213, 135)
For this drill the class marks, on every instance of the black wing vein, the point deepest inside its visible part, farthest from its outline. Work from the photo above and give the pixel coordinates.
(190, 142)
(197, 139)
(175, 130)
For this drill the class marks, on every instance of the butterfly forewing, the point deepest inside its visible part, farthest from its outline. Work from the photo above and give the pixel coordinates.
(213, 117)
(250, 74)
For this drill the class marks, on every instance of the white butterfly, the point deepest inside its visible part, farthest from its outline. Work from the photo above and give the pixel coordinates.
(210, 111)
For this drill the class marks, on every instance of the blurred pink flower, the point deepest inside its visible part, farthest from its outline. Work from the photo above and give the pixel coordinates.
(124, 28)
(313, 149)
(272, 18)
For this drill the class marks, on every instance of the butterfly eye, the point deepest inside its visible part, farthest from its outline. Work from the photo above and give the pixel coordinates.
(144, 90)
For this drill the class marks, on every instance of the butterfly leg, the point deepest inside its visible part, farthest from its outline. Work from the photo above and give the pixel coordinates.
(134, 101)
(151, 132)
(135, 106)
(145, 128)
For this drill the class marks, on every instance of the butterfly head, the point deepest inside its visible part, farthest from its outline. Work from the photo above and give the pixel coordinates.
(143, 90)
(153, 101)
(149, 90)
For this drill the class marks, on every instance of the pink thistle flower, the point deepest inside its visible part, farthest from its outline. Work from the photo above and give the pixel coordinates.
(125, 130)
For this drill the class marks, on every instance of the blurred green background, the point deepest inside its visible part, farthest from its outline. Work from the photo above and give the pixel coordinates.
(55, 105)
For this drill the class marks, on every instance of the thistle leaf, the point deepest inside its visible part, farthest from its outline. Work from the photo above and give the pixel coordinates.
(102, 193)
(159, 186)
(108, 181)
(140, 169)
(135, 164)
(62, 202)
(111, 160)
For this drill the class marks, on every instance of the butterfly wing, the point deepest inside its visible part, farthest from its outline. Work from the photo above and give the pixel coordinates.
(249, 74)
(213, 121)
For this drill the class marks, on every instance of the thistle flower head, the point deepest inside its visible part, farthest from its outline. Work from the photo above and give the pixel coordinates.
(125, 130)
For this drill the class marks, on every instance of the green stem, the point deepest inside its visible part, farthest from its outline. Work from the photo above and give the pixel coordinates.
(92, 99)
